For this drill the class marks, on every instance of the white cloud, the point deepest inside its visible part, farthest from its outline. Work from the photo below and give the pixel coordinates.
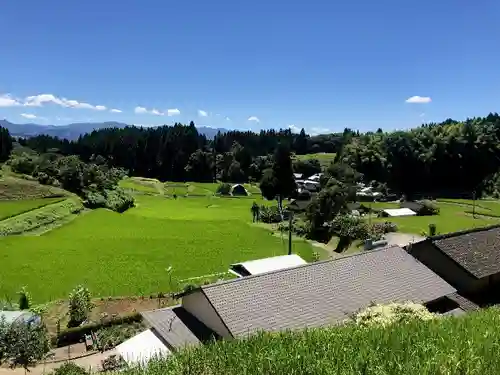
(154, 111)
(422, 114)
(419, 99)
(140, 110)
(202, 113)
(42, 99)
(294, 129)
(28, 115)
(227, 118)
(6, 100)
(143, 110)
(173, 112)
(253, 118)
(114, 110)
(317, 131)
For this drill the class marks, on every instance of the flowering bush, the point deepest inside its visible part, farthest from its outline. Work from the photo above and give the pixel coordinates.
(384, 315)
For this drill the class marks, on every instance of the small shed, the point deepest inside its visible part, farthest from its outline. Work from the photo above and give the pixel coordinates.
(256, 267)
(239, 189)
(396, 212)
(141, 348)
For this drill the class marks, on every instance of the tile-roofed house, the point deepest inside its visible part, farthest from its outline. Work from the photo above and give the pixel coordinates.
(316, 294)
(469, 260)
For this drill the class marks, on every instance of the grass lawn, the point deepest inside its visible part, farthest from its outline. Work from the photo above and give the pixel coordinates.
(14, 188)
(452, 217)
(324, 158)
(140, 186)
(14, 208)
(127, 254)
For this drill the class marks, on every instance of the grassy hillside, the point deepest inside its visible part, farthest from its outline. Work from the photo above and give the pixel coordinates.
(127, 254)
(467, 345)
(15, 188)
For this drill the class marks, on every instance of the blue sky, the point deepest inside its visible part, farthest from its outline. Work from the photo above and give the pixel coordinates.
(321, 65)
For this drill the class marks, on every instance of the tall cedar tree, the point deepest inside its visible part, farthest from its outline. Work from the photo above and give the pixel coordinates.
(5, 144)
(279, 182)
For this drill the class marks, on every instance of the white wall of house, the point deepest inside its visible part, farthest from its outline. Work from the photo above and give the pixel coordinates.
(198, 305)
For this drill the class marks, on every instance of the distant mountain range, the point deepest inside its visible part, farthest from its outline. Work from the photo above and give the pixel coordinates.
(73, 131)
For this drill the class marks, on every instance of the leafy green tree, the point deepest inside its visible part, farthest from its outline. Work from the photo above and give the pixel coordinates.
(80, 305)
(200, 166)
(23, 344)
(278, 182)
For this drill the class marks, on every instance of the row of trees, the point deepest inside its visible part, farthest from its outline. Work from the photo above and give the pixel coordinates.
(180, 153)
(446, 158)
(449, 158)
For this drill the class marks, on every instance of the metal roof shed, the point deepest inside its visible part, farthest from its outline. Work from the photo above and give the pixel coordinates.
(394, 212)
(256, 267)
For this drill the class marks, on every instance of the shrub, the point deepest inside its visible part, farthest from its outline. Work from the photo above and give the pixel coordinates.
(432, 230)
(69, 368)
(224, 189)
(383, 315)
(80, 306)
(385, 227)
(24, 299)
(116, 200)
(269, 214)
(24, 163)
(76, 334)
(428, 208)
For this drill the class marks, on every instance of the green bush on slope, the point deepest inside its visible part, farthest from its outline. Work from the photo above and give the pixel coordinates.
(466, 345)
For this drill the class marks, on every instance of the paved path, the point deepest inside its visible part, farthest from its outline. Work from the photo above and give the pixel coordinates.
(91, 362)
(402, 239)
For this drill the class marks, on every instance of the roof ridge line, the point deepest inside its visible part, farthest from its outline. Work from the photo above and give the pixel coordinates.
(462, 232)
(362, 253)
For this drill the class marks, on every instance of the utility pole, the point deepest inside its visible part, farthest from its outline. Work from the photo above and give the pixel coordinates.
(474, 204)
(290, 223)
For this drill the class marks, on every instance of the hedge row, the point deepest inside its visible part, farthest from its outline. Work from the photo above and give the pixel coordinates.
(40, 217)
(74, 335)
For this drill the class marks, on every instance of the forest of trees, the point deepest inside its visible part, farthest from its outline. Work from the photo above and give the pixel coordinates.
(448, 158)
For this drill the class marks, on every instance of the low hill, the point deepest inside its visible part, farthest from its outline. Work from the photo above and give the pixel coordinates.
(73, 131)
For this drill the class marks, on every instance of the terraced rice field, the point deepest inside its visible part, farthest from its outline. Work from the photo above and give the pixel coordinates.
(128, 254)
(12, 208)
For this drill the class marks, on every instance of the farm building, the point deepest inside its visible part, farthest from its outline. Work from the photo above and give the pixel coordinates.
(395, 212)
(469, 260)
(297, 205)
(256, 267)
(141, 348)
(309, 295)
(239, 189)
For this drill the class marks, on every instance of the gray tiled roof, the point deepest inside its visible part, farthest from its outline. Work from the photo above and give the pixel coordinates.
(477, 251)
(177, 327)
(464, 303)
(323, 293)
